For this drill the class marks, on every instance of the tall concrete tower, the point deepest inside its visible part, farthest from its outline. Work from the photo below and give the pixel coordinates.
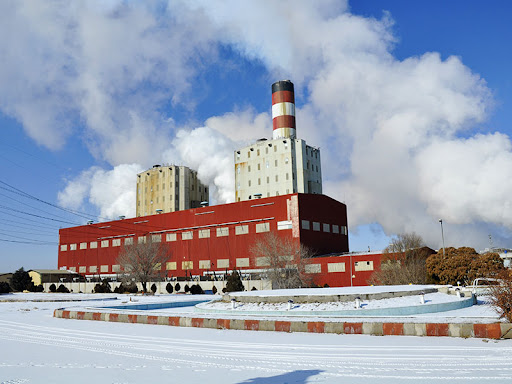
(282, 165)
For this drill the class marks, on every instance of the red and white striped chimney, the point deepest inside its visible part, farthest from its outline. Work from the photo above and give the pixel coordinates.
(283, 110)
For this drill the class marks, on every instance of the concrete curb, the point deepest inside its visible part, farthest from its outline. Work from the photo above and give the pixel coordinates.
(488, 331)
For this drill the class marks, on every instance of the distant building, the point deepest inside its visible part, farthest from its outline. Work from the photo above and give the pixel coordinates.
(282, 165)
(40, 276)
(169, 188)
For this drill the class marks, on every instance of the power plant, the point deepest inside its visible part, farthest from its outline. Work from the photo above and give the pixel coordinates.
(278, 189)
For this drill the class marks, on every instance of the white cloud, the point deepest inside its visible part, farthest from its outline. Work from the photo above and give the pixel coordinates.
(112, 191)
(390, 130)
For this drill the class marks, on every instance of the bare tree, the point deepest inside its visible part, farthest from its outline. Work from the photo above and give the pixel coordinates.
(403, 262)
(284, 260)
(144, 261)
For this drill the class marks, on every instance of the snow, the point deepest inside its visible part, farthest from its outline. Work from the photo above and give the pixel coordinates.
(337, 291)
(36, 347)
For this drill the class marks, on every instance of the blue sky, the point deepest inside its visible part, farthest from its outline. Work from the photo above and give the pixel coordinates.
(408, 101)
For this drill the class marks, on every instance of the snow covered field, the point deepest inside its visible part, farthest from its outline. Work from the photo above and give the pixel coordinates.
(35, 347)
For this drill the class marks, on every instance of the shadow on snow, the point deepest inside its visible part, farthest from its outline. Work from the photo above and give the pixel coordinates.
(295, 377)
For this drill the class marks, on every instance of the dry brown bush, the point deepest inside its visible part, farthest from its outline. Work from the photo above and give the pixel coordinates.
(501, 295)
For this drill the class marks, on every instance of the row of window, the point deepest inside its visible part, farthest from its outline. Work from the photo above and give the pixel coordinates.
(186, 235)
(324, 227)
(242, 262)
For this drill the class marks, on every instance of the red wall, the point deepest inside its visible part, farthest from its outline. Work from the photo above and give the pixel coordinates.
(292, 208)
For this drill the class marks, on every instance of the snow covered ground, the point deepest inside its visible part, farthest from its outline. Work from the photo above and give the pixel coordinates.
(35, 347)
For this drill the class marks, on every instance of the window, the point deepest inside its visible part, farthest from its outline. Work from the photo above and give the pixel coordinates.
(223, 263)
(242, 262)
(238, 169)
(335, 229)
(93, 244)
(128, 241)
(93, 269)
(203, 234)
(266, 164)
(286, 161)
(64, 247)
(259, 181)
(185, 265)
(224, 231)
(83, 245)
(156, 238)
(72, 247)
(104, 243)
(262, 261)
(316, 226)
(248, 154)
(141, 240)
(116, 268)
(258, 152)
(259, 167)
(268, 179)
(170, 266)
(104, 268)
(287, 176)
(204, 264)
(262, 227)
(249, 183)
(116, 242)
(313, 268)
(363, 266)
(335, 267)
(170, 237)
(249, 168)
(326, 228)
(241, 229)
(305, 224)
(189, 235)
(275, 162)
(275, 148)
(286, 224)
(277, 178)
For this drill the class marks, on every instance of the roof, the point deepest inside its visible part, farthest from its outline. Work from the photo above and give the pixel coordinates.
(52, 271)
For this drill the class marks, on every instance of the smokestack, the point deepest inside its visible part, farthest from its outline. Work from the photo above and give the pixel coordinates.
(283, 110)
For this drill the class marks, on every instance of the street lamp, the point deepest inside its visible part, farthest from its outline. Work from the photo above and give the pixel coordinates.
(442, 233)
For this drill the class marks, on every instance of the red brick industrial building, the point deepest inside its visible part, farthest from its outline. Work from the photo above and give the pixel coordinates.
(219, 238)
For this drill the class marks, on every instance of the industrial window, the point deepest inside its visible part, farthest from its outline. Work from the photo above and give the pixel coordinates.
(72, 269)
(223, 231)
(64, 247)
(82, 269)
(277, 193)
(104, 268)
(286, 258)
(343, 229)
(316, 226)
(128, 241)
(156, 238)
(204, 233)
(262, 261)
(286, 224)
(259, 167)
(286, 160)
(185, 265)
(275, 148)
(268, 179)
(204, 264)
(287, 176)
(317, 168)
(93, 244)
(305, 224)
(72, 247)
(93, 269)
(141, 240)
(83, 245)
(249, 154)
(242, 262)
(258, 152)
(363, 266)
(170, 266)
(335, 229)
(275, 162)
(259, 181)
(335, 267)
(104, 243)
(249, 168)
(223, 263)
(170, 237)
(249, 183)
(116, 242)
(287, 191)
(313, 268)
(262, 227)
(116, 268)
(326, 228)
(241, 229)
(189, 235)
(277, 178)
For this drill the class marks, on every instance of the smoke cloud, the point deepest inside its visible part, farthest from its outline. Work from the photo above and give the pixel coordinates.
(397, 137)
